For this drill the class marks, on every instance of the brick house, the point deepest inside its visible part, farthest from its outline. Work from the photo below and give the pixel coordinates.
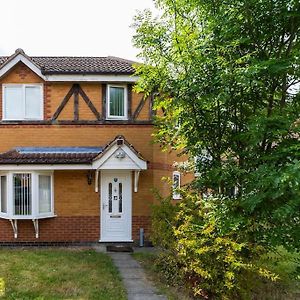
(77, 161)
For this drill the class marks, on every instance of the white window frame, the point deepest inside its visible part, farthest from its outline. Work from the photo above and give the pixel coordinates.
(3, 213)
(176, 195)
(112, 117)
(35, 196)
(23, 86)
(51, 196)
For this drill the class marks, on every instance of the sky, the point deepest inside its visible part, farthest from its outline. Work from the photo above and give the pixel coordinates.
(70, 27)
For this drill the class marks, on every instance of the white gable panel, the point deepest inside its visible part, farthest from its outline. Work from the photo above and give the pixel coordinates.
(109, 161)
(114, 163)
(20, 57)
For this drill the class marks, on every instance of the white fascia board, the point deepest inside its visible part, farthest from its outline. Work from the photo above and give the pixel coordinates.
(100, 161)
(92, 78)
(37, 167)
(142, 165)
(24, 60)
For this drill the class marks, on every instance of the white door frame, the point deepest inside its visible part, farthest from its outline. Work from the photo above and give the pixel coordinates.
(127, 206)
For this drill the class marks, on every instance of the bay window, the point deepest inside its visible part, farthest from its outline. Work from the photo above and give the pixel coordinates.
(22, 102)
(117, 102)
(27, 195)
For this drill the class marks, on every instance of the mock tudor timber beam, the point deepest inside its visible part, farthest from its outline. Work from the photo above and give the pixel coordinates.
(76, 90)
(63, 103)
(89, 103)
(139, 108)
(76, 102)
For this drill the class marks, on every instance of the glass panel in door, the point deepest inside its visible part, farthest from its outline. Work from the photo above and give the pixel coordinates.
(115, 196)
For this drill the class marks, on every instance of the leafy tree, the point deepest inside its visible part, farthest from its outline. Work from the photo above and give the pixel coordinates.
(226, 75)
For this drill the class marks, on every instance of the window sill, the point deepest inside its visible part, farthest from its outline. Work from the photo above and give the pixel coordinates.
(38, 217)
(117, 119)
(22, 120)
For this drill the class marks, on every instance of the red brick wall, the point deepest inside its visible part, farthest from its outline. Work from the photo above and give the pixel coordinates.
(65, 229)
(58, 229)
(141, 222)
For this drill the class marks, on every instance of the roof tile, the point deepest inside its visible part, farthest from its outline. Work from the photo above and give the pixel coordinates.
(60, 155)
(80, 65)
(44, 155)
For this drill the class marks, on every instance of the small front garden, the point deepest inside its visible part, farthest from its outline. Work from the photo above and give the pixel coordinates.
(280, 262)
(58, 274)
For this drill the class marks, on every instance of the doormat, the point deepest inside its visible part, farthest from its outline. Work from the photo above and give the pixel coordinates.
(119, 248)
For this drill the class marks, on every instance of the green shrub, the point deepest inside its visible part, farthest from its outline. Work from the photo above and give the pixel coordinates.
(198, 251)
(163, 222)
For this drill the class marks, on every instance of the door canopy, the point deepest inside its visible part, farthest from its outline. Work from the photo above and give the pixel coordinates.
(119, 155)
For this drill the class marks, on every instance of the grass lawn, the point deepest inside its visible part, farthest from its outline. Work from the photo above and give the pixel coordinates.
(285, 264)
(58, 274)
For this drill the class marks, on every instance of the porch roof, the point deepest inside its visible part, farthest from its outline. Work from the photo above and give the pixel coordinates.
(50, 155)
(64, 155)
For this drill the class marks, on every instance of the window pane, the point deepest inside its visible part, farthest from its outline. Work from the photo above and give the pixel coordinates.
(44, 194)
(13, 103)
(33, 102)
(22, 194)
(3, 194)
(110, 197)
(116, 101)
(175, 181)
(120, 197)
(176, 185)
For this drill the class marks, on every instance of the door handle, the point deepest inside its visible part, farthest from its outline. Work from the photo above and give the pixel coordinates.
(104, 205)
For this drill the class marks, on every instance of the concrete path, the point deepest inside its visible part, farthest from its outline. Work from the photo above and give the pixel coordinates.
(134, 278)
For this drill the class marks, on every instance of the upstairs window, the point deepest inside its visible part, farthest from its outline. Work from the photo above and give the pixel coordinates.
(22, 102)
(117, 102)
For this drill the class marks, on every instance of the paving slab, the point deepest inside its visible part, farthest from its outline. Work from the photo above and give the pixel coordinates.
(137, 286)
(146, 297)
(134, 278)
(119, 256)
(126, 264)
(132, 273)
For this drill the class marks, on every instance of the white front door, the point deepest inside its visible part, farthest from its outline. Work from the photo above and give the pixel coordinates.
(116, 206)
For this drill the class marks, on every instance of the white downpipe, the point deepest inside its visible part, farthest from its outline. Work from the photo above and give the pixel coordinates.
(136, 180)
(97, 181)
